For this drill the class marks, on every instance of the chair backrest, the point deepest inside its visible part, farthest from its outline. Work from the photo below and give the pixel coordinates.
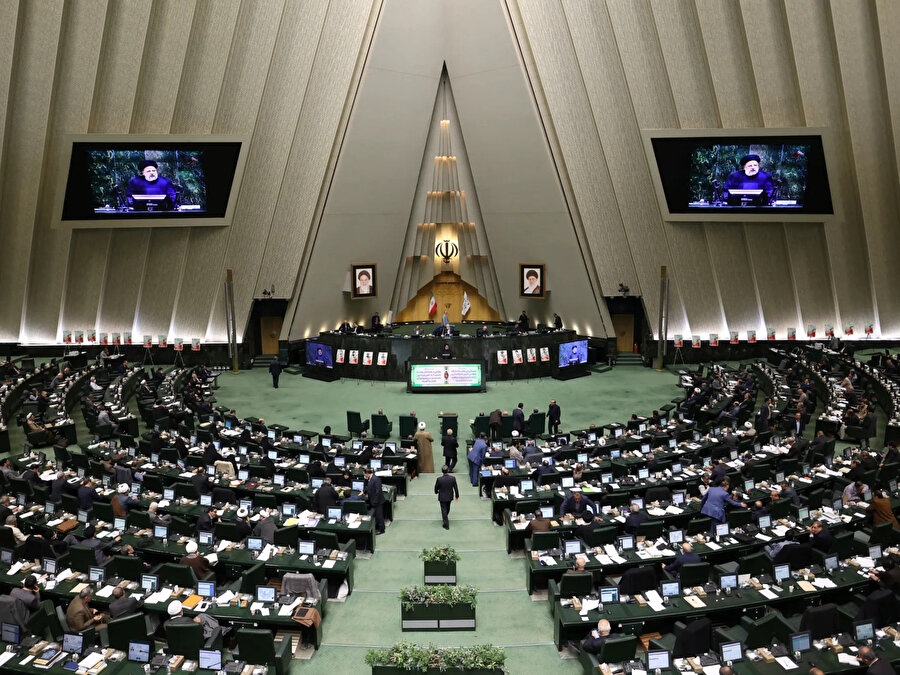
(694, 574)
(761, 632)
(7, 539)
(527, 506)
(180, 575)
(755, 564)
(617, 650)
(657, 493)
(636, 580)
(651, 529)
(542, 541)
(536, 424)
(227, 531)
(12, 610)
(699, 525)
(739, 517)
(222, 495)
(800, 556)
(185, 639)
(257, 641)
(265, 501)
(82, 558)
(254, 576)
(694, 638)
(842, 544)
(286, 536)
(381, 427)
(325, 540)
(605, 534)
(881, 606)
(181, 526)
(127, 566)
(354, 506)
(822, 621)
(781, 508)
(883, 533)
(576, 584)
(104, 511)
(408, 425)
(125, 629)
(354, 422)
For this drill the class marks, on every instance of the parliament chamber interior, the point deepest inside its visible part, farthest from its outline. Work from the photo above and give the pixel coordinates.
(464, 336)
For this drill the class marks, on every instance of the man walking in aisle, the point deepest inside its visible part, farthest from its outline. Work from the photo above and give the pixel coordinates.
(275, 371)
(446, 489)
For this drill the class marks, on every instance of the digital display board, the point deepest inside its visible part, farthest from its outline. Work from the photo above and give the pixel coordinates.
(432, 376)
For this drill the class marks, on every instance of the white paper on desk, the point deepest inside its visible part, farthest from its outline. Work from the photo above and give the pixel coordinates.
(411, 455)
(520, 526)
(328, 564)
(65, 574)
(105, 592)
(615, 486)
(762, 537)
(90, 660)
(254, 519)
(653, 511)
(656, 606)
(711, 670)
(547, 560)
(266, 553)
(803, 479)
(26, 660)
(163, 504)
(610, 550)
(673, 510)
(27, 514)
(859, 515)
(779, 531)
(862, 505)
(222, 545)
(185, 474)
(865, 562)
(588, 604)
(55, 522)
(619, 519)
(785, 663)
(667, 551)
(354, 525)
(6, 656)
(213, 558)
(712, 546)
(638, 672)
(644, 555)
(766, 593)
(225, 598)
(823, 582)
(160, 596)
(256, 606)
(383, 472)
(102, 535)
(12, 571)
(603, 559)
(849, 659)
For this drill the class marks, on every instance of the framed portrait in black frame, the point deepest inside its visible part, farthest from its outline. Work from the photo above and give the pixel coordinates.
(364, 282)
(532, 280)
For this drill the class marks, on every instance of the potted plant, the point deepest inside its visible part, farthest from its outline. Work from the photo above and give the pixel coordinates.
(405, 657)
(438, 607)
(440, 564)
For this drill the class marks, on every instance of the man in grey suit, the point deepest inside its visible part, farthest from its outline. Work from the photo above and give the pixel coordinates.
(445, 488)
(123, 605)
(265, 528)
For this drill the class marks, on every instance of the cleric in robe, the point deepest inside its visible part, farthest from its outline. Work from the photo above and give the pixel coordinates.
(150, 183)
(749, 178)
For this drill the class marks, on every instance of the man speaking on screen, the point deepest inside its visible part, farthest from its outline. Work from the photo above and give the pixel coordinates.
(749, 178)
(150, 191)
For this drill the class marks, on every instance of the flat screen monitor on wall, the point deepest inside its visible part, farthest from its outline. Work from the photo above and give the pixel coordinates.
(741, 175)
(146, 181)
(318, 354)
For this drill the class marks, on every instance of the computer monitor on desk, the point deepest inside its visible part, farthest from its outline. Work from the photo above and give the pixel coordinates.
(547, 511)
(658, 660)
(139, 652)
(765, 522)
(732, 652)
(864, 630)
(728, 581)
(609, 594)
(306, 547)
(573, 547)
(801, 642)
(210, 659)
(526, 485)
(676, 536)
(782, 572)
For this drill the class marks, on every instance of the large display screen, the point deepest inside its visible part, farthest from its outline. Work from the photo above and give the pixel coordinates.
(573, 353)
(141, 181)
(726, 176)
(446, 376)
(318, 354)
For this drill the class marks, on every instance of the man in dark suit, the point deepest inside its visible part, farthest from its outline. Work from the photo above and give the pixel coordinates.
(505, 479)
(57, 487)
(687, 556)
(200, 483)
(576, 504)
(820, 537)
(207, 521)
(325, 497)
(718, 472)
(554, 415)
(375, 496)
(594, 642)
(450, 445)
(29, 595)
(123, 605)
(634, 519)
(876, 665)
(539, 524)
(787, 492)
(495, 422)
(518, 418)
(584, 532)
(446, 489)
(87, 495)
(275, 371)
(765, 412)
(795, 425)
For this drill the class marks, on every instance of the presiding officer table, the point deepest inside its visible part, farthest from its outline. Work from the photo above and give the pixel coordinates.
(401, 349)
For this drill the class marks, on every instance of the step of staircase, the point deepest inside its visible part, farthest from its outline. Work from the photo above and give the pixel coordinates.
(263, 360)
(629, 359)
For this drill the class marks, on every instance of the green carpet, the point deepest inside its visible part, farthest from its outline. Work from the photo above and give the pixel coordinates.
(506, 615)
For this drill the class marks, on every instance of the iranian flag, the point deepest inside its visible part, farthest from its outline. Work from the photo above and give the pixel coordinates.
(432, 305)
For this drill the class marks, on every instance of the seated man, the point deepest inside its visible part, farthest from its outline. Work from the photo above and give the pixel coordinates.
(195, 561)
(576, 504)
(583, 532)
(685, 557)
(539, 524)
(123, 605)
(29, 594)
(80, 615)
(820, 538)
(634, 519)
(594, 642)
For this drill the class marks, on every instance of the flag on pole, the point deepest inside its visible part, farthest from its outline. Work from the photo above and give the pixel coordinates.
(432, 305)
(466, 306)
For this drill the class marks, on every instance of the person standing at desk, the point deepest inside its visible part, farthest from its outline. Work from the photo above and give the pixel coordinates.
(557, 321)
(495, 422)
(275, 372)
(476, 458)
(375, 496)
(553, 417)
(518, 418)
(714, 501)
(446, 489)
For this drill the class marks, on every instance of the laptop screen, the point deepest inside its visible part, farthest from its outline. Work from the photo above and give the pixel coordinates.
(10, 633)
(254, 543)
(573, 547)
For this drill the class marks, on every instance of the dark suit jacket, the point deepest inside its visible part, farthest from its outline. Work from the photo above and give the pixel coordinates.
(553, 413)
(123, 607)
(374, 492)
(518, 420)
(632, 520)
(593, 644)
(205, 523)
(683, 559)
(201, 485)
(881, 667)
(324, 497)
(265, 529)
(29, 599)
(445, 488)
(822, 541)
(450, 444)
(86, 497)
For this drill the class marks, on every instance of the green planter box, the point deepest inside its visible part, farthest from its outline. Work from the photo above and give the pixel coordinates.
(394, 670)
(440, 572)
(437, 617)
